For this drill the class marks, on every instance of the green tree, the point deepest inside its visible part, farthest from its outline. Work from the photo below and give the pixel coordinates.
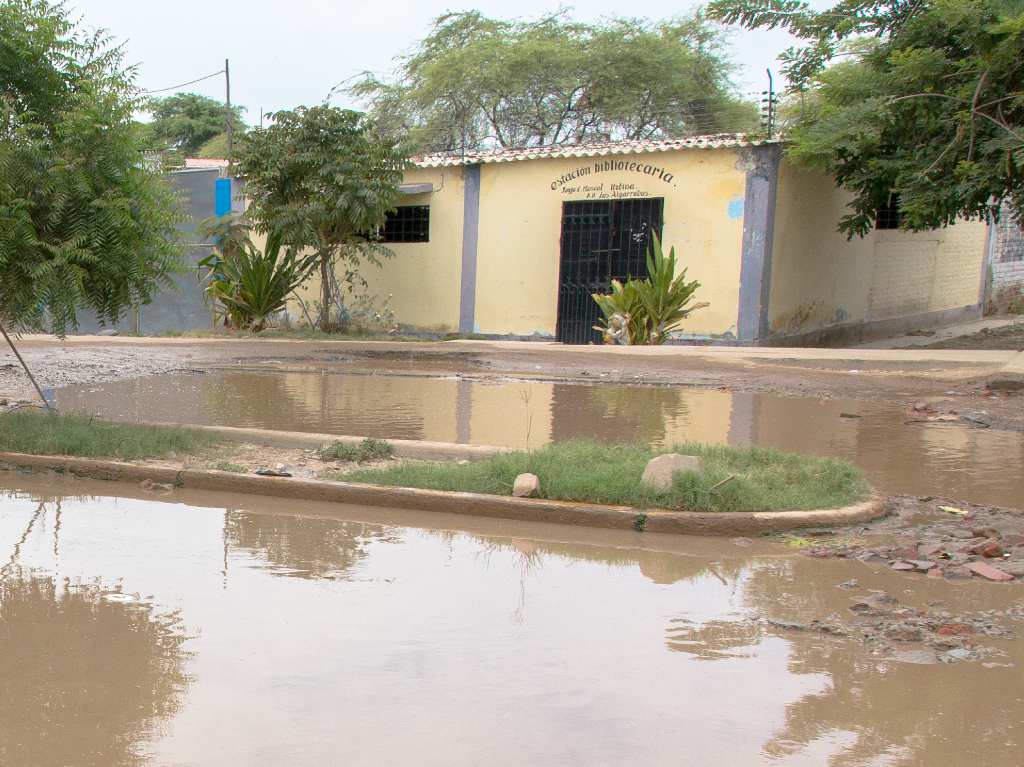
(923, 99)
(323, 180)
(83, 223)
(215, 148)
(185, 121)
(474, 82)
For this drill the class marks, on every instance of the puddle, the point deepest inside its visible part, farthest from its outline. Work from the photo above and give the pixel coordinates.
(246, 636)
(925, 459)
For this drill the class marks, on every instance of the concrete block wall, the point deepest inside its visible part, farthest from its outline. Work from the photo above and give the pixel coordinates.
(182, 307)
(922, 272)
(1006, 267)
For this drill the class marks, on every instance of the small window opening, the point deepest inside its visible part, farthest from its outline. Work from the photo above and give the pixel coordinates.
(407, 223)
(889, 214)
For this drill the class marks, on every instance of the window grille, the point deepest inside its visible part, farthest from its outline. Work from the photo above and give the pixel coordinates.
(407, 223)
(889, 215)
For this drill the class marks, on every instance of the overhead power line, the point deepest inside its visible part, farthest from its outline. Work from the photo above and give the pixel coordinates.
(182, 85)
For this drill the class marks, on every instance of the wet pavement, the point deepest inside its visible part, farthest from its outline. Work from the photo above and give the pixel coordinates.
(901, 451)
(206, 629)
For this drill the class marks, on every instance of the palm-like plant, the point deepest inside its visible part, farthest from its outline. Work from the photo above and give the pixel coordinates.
(247, 286)
(645, 312)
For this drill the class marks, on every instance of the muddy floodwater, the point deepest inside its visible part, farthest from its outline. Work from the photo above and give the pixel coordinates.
(204, 629)
(940, 458)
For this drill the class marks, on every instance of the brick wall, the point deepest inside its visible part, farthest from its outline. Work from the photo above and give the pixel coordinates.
(1007, 264)
(923, 272)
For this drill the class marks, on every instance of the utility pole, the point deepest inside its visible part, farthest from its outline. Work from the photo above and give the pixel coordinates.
(227, 86)
(768, 105)
(28, 371)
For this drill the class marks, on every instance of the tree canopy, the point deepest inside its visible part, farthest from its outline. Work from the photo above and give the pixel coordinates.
(215, 148)
(186, 121)
(83, 223)
(916, 100)
(475, 82)
(322, 179)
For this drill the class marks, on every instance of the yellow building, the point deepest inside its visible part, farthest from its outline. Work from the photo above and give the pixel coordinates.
(513, 242)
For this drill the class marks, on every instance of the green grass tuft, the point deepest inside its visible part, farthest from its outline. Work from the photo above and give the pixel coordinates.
(766, 479)
(77, 435)
(234, 468)
(367, 450)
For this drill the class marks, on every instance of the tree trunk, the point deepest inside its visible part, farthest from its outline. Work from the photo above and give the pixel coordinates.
(325, 293)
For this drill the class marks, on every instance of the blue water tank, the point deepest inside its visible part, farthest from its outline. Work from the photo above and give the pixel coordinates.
(222, 197)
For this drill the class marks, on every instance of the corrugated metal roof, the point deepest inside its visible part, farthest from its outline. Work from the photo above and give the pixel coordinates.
(595, 149)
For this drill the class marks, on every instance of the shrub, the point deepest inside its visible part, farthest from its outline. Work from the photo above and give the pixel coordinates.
(247, 286)
(645, 312)
(367, 450)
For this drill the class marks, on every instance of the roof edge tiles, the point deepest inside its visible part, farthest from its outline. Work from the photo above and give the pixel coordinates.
(596, 149)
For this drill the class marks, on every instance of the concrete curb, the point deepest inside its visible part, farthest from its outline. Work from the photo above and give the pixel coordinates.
(404, 448)
(530, 509)
(1011, 375)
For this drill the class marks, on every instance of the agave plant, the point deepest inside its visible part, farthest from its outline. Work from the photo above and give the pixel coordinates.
(247, 286)
(646, 312)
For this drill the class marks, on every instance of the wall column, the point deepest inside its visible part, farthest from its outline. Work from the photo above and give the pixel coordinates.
(470, 233)
(758, 229)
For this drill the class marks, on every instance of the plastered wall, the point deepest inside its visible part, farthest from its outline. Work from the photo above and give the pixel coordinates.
(819, 278)
(520, 226)
(421, 281)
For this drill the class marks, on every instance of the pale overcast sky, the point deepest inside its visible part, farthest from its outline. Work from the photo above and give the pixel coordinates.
(288, 53)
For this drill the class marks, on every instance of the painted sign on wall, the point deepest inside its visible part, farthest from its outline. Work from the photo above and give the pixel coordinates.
(582, 181)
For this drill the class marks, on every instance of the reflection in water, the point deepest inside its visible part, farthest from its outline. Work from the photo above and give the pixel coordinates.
(896, 714)
(85, 679)
(934, 459)
(304, 547)
(615, 413)
(510, 644)
(714, 640)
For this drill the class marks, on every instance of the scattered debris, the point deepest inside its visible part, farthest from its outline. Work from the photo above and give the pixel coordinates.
(725, 481)
(987, 571)
(896, 631)
(931, 537)
(974, 420)
(156, 487)
(277, 471)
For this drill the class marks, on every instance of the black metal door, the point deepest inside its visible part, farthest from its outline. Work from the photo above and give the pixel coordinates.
(602, 240)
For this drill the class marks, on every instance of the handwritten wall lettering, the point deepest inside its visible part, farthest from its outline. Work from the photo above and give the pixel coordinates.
(564, 181)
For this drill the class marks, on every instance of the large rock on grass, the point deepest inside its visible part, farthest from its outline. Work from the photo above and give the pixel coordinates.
(661, 471)
(526, 486)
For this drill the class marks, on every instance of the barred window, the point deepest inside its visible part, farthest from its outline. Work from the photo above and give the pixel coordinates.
(407, 223)
(889, 214)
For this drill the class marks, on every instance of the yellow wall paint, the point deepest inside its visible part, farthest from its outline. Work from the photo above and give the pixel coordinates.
(820, 278)
(520, 227)
(421, 282)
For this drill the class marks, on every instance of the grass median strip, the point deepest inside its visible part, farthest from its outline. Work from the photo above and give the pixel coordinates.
(765, 479)
(83, 436)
